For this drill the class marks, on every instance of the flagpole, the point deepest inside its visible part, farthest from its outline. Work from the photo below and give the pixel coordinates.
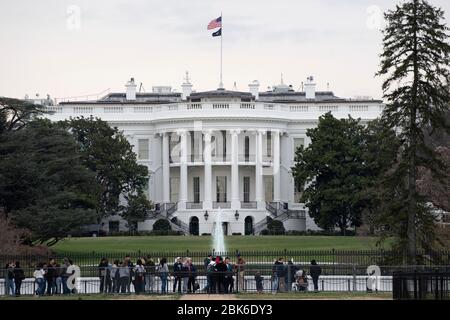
(221, 53)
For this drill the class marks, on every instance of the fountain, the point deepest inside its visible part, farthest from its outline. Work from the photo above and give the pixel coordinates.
(218, 237)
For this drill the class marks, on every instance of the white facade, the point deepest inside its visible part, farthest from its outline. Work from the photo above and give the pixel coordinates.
(227, 149)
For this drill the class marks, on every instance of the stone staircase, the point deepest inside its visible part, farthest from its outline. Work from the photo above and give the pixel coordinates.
(166, 211)
(280, 212)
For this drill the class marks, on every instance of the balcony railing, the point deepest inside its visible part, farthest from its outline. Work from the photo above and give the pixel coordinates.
(248, 205)
(222, 205)
(195, 158)
(221, 158)
(247, 158)
(194, 205)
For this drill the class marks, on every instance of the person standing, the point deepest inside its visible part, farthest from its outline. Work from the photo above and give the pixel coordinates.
(177, 272)
(19, 276)
(240, 270)
(185, 274)
(58, 278)
(259, 283)
(163, 271)
(139, 277)
(290, 275)
(64, 275)
(130, 271)
(115, 276)
(104, 274)
(9, 279)
(221, 270)
(38, 275)
(274, 278)
(149, 274)
(315, 271)
(124, 277)
(229, 280)
(192, 275)
(206, 263)
(50, 276)
(281, 275)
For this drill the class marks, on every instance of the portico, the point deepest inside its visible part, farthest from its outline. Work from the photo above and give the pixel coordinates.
(221, 168)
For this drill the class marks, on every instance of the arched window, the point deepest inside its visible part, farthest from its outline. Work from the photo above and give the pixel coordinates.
(248, 225)
(193, 226)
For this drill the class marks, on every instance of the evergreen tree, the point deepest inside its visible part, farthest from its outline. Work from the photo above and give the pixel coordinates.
(15, 114)
(415, 64)
(44, 186)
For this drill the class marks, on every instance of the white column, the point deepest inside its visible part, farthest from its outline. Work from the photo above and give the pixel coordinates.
(166, 167)
(259, 181)
(207, 200)
(235, 201)
(276, 166)
(183, 171)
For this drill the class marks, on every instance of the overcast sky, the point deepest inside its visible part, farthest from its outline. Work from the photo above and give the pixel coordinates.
(79, 47)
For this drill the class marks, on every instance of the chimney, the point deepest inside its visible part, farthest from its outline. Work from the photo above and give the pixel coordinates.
(310, 88)
(186, 87)
(131, 89)
(254, 89)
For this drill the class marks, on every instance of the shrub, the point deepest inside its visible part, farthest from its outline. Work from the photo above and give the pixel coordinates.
(162, 225)
(275, 227)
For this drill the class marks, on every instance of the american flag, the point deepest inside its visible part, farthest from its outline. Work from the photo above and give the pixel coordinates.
(216, 23)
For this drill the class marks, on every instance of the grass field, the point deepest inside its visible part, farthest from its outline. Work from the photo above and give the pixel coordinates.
(204, 243)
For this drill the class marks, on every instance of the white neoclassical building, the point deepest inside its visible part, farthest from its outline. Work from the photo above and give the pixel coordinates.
(219, 149)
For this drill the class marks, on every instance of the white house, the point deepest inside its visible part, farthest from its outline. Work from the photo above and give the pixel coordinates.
(219, 149)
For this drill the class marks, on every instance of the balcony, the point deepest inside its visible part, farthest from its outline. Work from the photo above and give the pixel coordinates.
(195, 158)
(248, 205)
(222, 205)
(221, 158)
(247, 158)
(194, 205)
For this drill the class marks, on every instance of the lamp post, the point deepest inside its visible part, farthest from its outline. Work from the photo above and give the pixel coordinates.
(206, 215)
(236, 215)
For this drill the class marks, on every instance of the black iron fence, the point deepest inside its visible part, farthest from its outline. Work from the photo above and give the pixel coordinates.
(264, 278)
(359, 259)
(421, 285)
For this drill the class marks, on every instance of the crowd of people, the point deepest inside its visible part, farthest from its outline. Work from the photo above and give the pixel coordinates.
(289, 277)
(222, 276)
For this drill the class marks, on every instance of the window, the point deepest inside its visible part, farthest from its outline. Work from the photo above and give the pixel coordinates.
(297, 143)
(269, 143)
(246, 189)
(194, 226)
(221, 189)
(247, 148)
(268, 188)
(174, 148)
(174, 188)
(298, 189)
(143, 149)
(248, 227)
(196, 190)
(114, 226)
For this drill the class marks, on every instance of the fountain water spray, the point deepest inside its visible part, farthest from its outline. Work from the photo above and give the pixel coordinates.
(218, 237)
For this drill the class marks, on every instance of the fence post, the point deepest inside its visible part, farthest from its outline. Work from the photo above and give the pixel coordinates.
(354, 278)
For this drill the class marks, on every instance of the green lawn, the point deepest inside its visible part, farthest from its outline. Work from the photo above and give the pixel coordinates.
(204, 243)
